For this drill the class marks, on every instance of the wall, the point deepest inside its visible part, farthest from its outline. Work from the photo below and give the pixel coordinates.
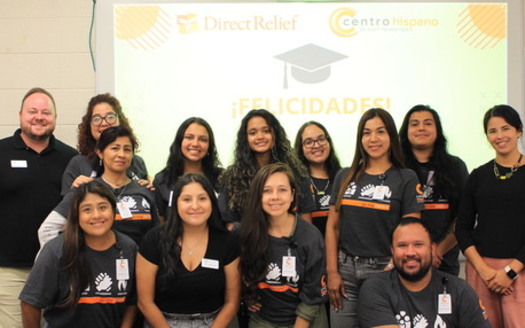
(45, 43)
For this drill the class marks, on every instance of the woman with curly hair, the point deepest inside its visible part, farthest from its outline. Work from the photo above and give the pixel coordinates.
(315, 149)
(261, 140)
(103, 111)
(192, 151)
(282, 256)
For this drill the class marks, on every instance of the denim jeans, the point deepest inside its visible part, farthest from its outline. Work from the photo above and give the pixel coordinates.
(197, 320)
(354, 270)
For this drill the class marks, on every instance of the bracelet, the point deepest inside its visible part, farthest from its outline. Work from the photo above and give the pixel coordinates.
(390, 266)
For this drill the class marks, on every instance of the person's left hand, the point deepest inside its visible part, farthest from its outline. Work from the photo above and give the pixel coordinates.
(501, 283)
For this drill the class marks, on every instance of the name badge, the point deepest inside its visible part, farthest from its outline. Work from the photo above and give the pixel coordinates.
(288, 266)
(18, 164)
(210, 264)
(122, 269)
(444, 304)
(379, 192)
(124, 211)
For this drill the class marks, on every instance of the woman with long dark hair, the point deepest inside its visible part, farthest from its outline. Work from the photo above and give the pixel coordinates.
(282, 256)
(188, 268)
(103, 111)
(261, 140)
(442, 177)
(84, 277)
(491, 222)
(367, 202)
(192, 151)
(137, 212)
(315, 149)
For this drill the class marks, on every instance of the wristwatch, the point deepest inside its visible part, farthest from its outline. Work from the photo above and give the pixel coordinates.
(511, 273)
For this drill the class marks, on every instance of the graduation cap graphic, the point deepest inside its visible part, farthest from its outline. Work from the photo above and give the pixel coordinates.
(310, 63)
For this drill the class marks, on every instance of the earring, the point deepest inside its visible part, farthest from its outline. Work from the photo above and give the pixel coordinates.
(100, 162)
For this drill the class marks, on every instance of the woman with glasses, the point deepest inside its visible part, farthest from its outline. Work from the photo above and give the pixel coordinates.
(314, 147)
(192, 151)
(103, 111)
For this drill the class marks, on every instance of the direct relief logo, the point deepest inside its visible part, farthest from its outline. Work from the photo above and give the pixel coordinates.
(340, 22)
(483, 26)
(187, 23)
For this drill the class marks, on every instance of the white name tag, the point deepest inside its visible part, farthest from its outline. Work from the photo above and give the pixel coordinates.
(210, 264)
(288, 266)
(444, 304)
(122, 269)
(124, 211)
(18, 164)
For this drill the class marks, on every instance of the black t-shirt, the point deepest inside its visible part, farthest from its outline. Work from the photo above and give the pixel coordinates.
(197, 291)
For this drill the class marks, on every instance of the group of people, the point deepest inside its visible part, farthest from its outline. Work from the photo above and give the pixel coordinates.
(283, 237)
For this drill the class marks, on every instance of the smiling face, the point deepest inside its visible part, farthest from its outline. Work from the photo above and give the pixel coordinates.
(195, 143)
(375, 140)
(117, 156)
(277, 195)
(260, 135)
(319, 150)
(102, 110)
(412, 251)
(502, 136)
(37, 117)
(96, 215)
(422, 131)
(194, 205)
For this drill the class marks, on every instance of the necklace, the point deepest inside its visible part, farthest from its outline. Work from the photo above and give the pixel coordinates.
(190, 250)
(320, 192)
(114, 184)
(507, 175)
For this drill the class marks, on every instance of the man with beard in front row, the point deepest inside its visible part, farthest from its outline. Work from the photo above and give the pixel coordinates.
(413, 295)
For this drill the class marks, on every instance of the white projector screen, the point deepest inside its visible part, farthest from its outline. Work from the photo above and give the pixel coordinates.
(324, 61)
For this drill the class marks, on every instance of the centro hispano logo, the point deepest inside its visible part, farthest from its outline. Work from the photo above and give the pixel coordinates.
(187, 23)
(347, 22)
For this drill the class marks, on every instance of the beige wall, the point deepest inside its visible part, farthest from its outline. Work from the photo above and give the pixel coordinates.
(45, 43)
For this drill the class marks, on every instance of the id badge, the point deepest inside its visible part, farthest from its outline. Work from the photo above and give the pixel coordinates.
(288, 266)
(379, 192)
(122, 269)
(124, 211)
(444, 304)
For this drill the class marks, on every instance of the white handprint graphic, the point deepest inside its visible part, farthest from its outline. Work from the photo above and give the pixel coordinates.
(403, 319)
(103, 282)
(420, 321)
(129, 201)
(274, 272)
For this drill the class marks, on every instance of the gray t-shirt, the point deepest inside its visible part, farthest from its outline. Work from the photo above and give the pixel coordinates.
(372, 207)
(101, 304)
(383, 300)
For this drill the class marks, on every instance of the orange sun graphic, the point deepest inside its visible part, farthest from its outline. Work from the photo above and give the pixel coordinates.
(483, 26)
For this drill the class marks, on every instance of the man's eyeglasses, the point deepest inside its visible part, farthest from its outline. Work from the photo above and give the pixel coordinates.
(110, 119)
(309, 143)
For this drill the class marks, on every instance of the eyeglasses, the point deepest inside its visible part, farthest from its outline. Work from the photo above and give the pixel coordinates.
(310, 143)
(110, 119)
